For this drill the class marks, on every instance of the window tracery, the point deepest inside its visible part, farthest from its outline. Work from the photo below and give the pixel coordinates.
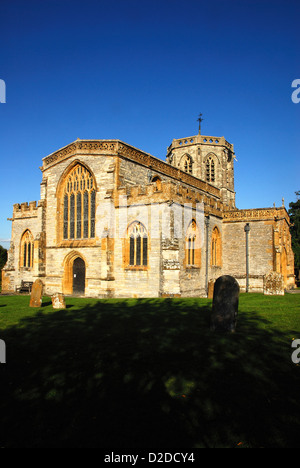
(192, 246)
(210, 170)
(27, 250)
(138, 245)
(79, 204)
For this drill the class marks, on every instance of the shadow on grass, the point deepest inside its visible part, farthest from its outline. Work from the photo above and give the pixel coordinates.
(146, 373)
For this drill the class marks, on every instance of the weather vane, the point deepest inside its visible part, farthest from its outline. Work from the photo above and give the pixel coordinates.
(200, 120)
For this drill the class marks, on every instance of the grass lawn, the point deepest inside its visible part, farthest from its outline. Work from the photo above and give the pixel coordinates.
(149, 373)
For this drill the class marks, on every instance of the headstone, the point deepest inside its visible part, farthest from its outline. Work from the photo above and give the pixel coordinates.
(274, 284)
(36, 294)
(58, 301)
(211, 285)
(225, 304)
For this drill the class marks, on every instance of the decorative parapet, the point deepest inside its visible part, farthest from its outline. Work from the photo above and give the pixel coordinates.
(118, 148)
(170, 192)
(26, 210)
(200, 139)
(171, 264)
(256, 214)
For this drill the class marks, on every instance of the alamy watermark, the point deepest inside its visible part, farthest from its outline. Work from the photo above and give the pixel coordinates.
(296, 93)
(296, 353)
(2, 352)
(2, 92)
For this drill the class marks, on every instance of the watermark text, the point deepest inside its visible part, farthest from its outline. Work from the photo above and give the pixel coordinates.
(2, 352)
(296, 353)
(2, 92)
(296, 93)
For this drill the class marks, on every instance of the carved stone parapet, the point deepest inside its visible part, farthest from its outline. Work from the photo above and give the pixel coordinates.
(171, 265)
(170, 244)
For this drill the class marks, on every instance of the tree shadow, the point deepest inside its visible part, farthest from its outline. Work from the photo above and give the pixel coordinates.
(146, 373)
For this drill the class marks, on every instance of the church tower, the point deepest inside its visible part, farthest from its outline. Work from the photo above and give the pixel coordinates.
(208, 158)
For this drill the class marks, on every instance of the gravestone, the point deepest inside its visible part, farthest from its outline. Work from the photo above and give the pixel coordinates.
(273, 284)
(225, 304)
(58, 301)
(36, 294)
(211, 285)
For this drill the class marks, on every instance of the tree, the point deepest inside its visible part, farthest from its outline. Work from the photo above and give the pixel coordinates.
(294, 213)
(3, 256)
(3, 260)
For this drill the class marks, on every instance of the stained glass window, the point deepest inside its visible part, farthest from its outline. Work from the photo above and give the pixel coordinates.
(79, 204)
(86, 214)
(72, 216)
(66, 215)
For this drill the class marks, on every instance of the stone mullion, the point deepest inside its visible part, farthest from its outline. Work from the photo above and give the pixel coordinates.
(89, 214)
(134, 250)
(82, 214)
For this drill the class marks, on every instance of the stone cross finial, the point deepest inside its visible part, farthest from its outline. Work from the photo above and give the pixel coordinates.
(200, 120)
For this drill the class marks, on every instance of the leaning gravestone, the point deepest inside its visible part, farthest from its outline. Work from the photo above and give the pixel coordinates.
(273, 284)
(58, 301)
(36, 294)
(225, 304)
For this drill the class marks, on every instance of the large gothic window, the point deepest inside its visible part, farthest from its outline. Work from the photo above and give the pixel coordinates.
(216, 248)
(137, 245)
(210, 170)
(79, 204)
(26, 250)
(192, 246)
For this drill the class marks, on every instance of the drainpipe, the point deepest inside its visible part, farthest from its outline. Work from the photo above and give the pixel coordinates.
(247, 230)
(206, 256)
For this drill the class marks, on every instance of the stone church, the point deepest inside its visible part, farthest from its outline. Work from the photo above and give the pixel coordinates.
(114, 221)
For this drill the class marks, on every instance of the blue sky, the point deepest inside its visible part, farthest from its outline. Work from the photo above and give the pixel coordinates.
(142, 71)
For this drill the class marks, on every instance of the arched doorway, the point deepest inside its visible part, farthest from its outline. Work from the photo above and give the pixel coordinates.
(78, 276)
(74, 278)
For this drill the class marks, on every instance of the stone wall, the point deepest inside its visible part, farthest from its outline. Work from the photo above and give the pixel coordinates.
(124, 194)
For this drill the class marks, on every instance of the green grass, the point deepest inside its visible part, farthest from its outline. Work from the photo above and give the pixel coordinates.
(149, 373)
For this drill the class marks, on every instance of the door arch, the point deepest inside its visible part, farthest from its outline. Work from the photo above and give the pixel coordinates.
(74, 278)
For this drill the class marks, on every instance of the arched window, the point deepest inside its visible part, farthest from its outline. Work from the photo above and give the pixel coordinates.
(137, 239)
(210, 170)
(79, 204)
(26, 250)
(157, 182)
(216, 248)
(192, 246)
(188, 164)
